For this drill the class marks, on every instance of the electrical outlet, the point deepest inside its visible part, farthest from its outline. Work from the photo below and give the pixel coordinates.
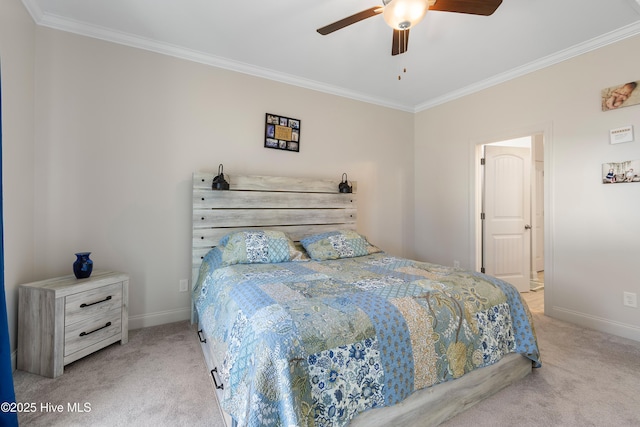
(456, 264)
(184, 285)
(630, 299)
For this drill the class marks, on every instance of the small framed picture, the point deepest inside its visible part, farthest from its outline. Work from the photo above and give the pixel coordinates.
(622, 95)
(281, 133)
(619, 172)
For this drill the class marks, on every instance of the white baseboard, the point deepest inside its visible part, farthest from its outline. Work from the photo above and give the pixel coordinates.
(609, 326)
(159, 318)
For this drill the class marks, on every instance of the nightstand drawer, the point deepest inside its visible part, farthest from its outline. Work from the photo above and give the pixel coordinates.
(88, 332)
(95, 302)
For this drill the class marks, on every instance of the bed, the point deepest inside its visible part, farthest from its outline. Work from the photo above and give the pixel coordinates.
(303, 321)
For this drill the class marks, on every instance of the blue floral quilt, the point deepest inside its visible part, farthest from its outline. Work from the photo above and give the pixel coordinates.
(315, 343)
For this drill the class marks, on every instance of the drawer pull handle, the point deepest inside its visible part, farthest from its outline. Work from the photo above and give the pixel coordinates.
(215, 383)
(83, 334)
(83, 305)
(200, 336)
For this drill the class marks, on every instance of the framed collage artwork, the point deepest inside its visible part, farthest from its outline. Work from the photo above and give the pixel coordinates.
(282, 133)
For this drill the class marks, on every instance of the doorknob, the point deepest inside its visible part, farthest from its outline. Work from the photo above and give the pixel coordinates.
(527, 227)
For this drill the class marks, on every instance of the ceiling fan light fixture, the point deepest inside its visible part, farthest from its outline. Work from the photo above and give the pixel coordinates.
(404, 14)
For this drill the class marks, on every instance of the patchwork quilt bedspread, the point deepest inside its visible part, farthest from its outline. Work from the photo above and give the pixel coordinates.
(317, 342)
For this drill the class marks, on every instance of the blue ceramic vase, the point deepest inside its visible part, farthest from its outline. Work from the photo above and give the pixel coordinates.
(83, 265)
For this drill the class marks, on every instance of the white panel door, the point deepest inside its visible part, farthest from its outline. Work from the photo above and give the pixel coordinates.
(507, 229)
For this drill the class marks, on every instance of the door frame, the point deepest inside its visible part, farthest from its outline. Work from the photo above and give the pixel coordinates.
(538, 190)
(475, 191)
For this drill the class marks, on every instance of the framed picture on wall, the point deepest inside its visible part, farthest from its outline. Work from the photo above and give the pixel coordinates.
(619, 172)
(281, 133)
(622, 95)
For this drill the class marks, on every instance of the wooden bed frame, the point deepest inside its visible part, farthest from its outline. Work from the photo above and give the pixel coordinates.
(301, 207)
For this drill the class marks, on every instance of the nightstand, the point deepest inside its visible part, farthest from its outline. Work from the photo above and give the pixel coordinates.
(63, 319)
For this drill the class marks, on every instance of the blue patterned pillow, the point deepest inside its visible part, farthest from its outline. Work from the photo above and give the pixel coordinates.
(337, 244)
(260, 246)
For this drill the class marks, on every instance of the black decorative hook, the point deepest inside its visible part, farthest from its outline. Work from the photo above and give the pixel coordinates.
(219, 183)
(344, 186)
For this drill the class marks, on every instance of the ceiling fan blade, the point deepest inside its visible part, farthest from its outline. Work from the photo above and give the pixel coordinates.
(350, 20)
(473, 7)
(400, 42)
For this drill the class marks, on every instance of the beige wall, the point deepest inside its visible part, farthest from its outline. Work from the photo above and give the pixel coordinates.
(592, 229)
(17, 55)
(120, 130)
(100, 141)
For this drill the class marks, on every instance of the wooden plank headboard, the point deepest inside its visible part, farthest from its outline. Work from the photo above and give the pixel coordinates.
(298, 206)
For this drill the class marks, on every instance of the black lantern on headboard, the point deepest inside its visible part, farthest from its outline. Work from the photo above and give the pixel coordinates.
(344, 186)
(219, 183)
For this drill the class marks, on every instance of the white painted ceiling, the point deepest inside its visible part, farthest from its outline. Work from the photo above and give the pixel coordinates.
(450, 54)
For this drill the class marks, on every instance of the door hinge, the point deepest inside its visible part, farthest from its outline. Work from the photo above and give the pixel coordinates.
(482, 161)
(482, 270)
(482, 215)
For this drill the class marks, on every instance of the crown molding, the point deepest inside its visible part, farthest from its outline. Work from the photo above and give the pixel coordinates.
(579, 49)
(126, 39)
(109, 35)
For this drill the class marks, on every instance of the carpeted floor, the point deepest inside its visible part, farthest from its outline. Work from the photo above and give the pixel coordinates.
(587, 378)
(159, 379)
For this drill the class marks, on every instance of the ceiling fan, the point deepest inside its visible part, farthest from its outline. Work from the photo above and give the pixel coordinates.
(401, 15)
